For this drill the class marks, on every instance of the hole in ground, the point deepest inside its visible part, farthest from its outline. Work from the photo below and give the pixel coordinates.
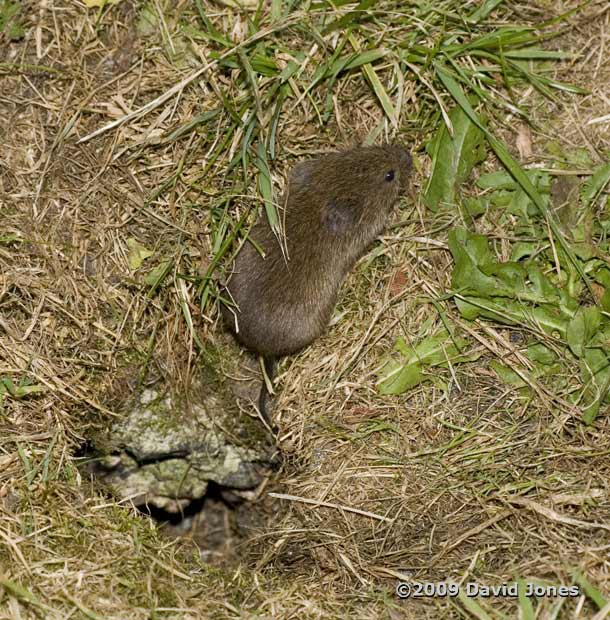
(220, 523)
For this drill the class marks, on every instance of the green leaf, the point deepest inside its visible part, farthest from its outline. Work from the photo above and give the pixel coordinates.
(439, 349)
(10, 238)
(507, 374)
(582, 328)
(474, 206)
(595, 374)
(21, 390)
(595, 185)
(540, 354)
(500, 179)
(9, 22)
(137, 254)
(265, 65)
(453, 158)
(473, 266)
(509, 292)
(398, 378)
(148, 21)
(510, 164)
(522, 249)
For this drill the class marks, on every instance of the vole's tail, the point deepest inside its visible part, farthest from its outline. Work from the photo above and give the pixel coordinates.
(264, 399)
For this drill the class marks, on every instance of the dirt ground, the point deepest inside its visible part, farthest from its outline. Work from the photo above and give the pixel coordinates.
(463, 478)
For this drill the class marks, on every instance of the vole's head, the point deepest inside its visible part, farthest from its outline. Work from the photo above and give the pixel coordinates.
(354, 188)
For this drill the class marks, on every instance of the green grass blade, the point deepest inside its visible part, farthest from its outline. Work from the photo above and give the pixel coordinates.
(595, 185)
(525, 604)
(535, 53)
(265, 186)
(350, 18)
(590, 590)
(377, 86)
(483, 11)
(473, 607)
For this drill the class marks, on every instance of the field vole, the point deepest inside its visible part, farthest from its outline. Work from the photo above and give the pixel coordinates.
(334, 207)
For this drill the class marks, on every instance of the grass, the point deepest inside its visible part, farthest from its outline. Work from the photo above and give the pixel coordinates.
(139, 141)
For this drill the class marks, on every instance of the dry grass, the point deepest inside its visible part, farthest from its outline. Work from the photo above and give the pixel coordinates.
(464, 478)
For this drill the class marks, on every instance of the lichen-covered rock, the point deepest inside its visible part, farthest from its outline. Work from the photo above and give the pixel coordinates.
(168, 446)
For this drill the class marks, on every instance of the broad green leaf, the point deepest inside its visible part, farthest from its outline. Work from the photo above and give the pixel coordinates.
(453, 158)
(137, 254)
(148, 20)
(10, 25)
(477, 273)
(507, 374)
(439, 349)
(522, 249)
(400, 377)
(20, 390)
(569, 156)
(595, 374)
(500, 179)
(548, 319)
(541, 354)
(510, 164)
(582, 328)
(474, 206)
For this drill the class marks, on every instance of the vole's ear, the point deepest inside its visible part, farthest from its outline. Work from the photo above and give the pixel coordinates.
(338, 216)
(301, 174)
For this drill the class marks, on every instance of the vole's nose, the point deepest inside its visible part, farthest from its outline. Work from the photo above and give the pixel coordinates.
(406, 163)
(405, 159)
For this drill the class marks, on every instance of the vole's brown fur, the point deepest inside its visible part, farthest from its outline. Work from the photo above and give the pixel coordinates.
(335, 206)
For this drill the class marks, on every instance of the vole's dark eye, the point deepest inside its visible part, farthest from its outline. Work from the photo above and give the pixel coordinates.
(389, 176)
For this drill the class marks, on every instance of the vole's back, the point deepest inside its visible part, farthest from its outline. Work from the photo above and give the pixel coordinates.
(334, 208)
